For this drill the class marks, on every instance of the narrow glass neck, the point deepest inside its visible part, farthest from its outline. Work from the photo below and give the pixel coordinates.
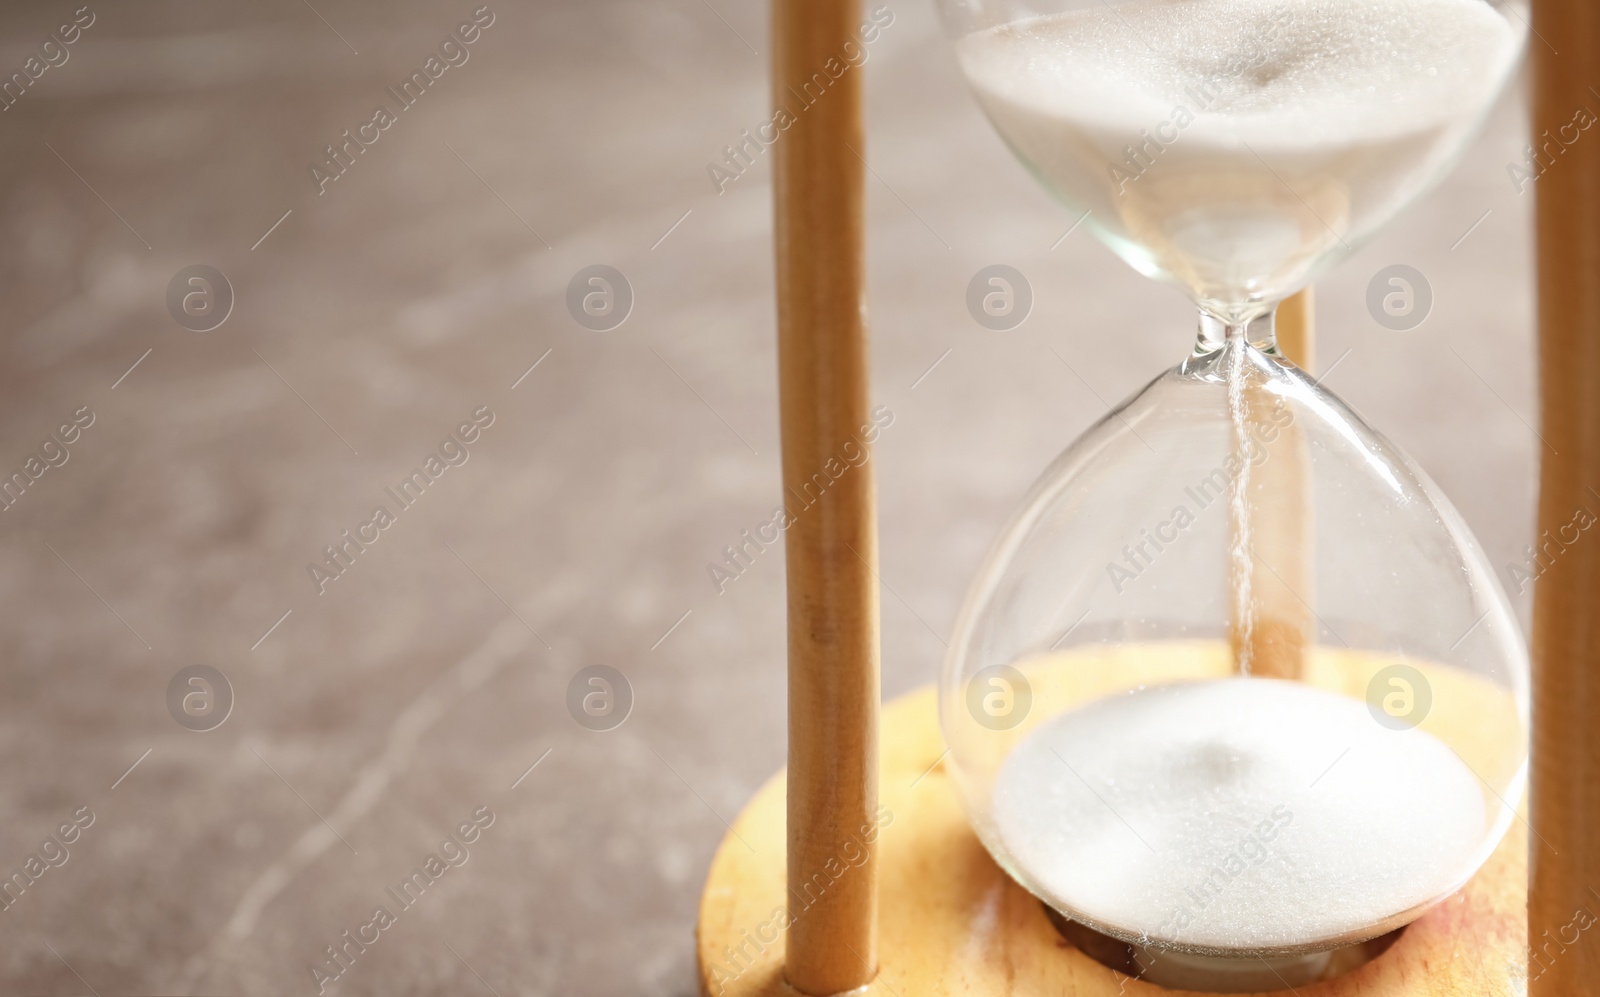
(1260, 332)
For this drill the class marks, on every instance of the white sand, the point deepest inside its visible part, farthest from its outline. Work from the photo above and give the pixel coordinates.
(1206, 814)
(1266, 130)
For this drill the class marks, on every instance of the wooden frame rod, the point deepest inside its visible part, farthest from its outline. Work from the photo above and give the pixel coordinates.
(1276, 516)
(1565, 785)
(1296, 330)
(831, 544)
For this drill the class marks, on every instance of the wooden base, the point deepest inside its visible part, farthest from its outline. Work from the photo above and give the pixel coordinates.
(951, 922)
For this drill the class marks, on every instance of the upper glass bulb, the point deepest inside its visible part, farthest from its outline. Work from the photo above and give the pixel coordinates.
(1236, 146)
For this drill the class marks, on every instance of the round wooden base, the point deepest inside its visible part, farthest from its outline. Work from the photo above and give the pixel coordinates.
(951, 922)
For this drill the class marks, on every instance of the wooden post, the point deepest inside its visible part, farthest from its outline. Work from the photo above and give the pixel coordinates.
(1278, 507)
(1566, 628)
(832, 543)
(1295, 330)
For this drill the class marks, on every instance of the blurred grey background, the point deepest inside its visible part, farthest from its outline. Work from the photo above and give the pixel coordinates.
(421, 286)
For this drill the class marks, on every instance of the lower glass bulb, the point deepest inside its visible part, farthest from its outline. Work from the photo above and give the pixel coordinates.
(1236, 680)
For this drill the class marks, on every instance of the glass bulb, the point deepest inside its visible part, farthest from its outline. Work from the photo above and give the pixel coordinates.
(1236, 147)
(1236, 679)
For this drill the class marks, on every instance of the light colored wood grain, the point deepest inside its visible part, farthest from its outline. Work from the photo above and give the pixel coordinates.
(953, 923)
(1566, 628)
(831, 542)
(1296, 329)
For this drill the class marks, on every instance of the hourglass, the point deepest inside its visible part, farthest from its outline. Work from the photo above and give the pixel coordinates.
(1235, 702)
(1275, 699)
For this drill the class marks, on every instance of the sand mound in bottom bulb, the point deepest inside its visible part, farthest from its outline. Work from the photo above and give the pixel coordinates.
(1242, 814)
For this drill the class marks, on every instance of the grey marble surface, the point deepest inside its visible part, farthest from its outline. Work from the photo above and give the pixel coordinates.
(421, 684)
